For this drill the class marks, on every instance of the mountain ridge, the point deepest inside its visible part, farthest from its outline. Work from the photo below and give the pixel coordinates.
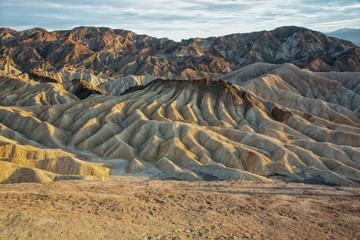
(105, 53)
(350, 34)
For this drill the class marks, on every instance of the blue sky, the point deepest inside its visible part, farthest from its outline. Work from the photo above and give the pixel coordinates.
(181, 19)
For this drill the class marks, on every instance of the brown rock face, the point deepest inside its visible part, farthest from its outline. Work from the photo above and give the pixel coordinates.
(121, 53)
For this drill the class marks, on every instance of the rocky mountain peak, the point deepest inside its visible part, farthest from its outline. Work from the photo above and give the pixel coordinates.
(121, 52)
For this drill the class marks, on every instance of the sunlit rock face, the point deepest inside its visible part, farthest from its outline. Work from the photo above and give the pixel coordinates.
(97, 103)
(260, 121)
(99, 54)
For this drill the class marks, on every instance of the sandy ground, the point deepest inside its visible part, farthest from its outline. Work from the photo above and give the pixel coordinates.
(154, 209)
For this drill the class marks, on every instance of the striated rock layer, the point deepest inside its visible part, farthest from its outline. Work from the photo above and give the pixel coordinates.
(25, 163)
(99, 54)
(261, 121)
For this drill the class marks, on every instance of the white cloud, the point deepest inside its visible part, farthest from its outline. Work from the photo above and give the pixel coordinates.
(179, 19)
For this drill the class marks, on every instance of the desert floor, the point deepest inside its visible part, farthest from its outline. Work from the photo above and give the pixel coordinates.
(155, 209)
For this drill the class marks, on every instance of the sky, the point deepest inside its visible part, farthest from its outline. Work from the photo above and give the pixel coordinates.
(181, 19)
